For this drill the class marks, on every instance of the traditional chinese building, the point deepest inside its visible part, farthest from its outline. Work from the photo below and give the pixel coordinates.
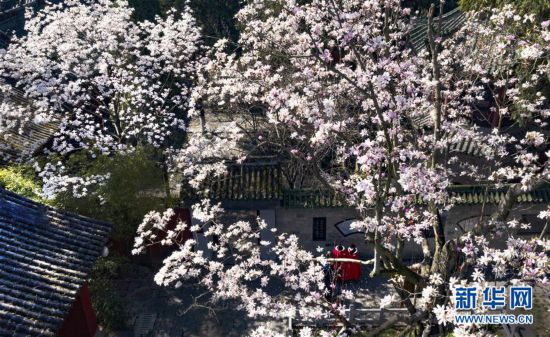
(320, 219)
(292, 201)
(45, 258)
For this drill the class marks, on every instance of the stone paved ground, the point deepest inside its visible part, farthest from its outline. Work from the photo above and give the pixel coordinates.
(166, 307)
(145, 299)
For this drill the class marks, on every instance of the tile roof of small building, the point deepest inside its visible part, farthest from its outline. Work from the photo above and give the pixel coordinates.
(452, 21)
(12, 14)
(263, 181)
(45, 257)
(19, 144)
(248, 181)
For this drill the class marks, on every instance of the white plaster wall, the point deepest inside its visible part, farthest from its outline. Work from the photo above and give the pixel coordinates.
(299, 221)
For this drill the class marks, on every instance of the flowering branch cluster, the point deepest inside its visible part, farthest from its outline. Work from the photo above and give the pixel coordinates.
(335, 86)
(342, 91)
(109, 82)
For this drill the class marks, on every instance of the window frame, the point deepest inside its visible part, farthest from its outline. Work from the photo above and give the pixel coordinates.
(319, 229)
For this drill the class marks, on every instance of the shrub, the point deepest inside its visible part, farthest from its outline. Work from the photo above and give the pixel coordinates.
(109, 306)
(135, 187)
(20, 179)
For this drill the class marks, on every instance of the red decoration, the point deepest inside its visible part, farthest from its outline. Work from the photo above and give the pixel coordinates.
(346, 266)
(81, 319)
(347, 271)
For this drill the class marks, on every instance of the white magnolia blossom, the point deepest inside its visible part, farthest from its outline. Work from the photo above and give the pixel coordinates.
(108, 82)
(340, 91)
(386, 301)
(56, 180)
(337, 82)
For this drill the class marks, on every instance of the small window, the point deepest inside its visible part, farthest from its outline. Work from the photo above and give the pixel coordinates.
(319, 229)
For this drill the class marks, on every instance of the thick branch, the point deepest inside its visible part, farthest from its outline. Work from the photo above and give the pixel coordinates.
(438, 230)
(396, 264)
(505, 206)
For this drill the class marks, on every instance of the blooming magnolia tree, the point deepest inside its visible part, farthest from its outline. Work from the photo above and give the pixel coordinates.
(109, 82)
(344, 93)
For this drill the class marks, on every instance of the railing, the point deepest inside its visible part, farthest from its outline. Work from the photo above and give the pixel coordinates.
(478, 194)
(366, 317)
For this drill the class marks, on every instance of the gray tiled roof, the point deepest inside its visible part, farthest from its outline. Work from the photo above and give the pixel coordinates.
(12, 15)
(45, 257)
(467, 146)
(452, 21)
(19, 144)
(11, 5)
(248, 181)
